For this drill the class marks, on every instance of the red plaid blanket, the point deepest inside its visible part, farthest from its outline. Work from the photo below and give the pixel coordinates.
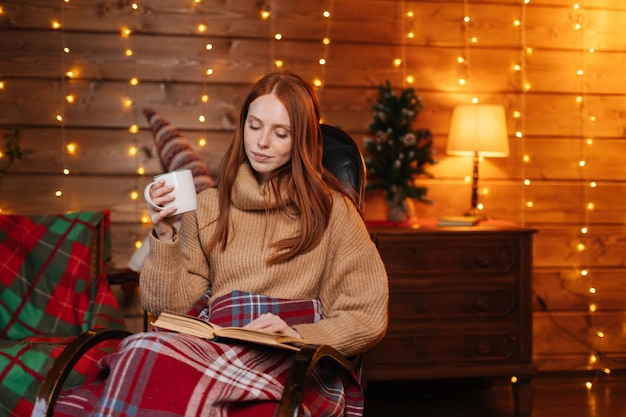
(163, 374)
(49, 294)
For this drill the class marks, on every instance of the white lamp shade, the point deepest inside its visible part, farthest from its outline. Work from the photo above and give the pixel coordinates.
(478, 128)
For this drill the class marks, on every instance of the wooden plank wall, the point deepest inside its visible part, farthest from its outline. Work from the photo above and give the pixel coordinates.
(565, 117)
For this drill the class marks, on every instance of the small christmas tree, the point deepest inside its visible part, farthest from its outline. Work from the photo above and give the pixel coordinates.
(399, 153)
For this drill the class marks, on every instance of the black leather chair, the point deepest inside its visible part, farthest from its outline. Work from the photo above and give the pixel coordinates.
(343, 159)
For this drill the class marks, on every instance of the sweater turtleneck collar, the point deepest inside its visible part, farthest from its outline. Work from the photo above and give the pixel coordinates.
(249, 195)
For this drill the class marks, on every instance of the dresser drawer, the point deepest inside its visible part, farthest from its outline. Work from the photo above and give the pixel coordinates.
(448, 302)
(450, 255)
(437, 350)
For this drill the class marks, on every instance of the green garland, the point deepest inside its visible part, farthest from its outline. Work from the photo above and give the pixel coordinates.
(399, 153)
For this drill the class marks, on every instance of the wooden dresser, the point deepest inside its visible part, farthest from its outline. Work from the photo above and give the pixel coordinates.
(459, 306)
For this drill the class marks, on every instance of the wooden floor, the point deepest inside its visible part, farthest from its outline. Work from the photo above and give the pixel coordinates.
(555, 396)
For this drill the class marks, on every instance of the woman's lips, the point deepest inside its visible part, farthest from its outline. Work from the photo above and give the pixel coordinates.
(259, 157)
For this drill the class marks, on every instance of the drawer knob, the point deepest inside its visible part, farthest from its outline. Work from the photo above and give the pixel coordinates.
(481, 259)
(483, 347)
(482, 303)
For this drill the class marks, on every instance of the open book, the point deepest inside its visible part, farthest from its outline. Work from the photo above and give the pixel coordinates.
(183, 323)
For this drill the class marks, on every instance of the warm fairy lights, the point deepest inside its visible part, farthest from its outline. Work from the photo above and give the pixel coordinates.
(582, 243)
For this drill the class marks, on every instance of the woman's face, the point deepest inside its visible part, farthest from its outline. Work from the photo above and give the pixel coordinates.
(267, 135)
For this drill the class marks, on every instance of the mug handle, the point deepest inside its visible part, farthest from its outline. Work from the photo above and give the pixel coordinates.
(146, 196)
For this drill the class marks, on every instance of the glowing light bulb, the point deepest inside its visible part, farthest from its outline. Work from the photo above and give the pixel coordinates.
(59, 118)
(526, 181)
(202, 27)
(326, 13)
(66, 50)
(592, 290)
(326, 41)
(265, 14)
(580, 247)
(145, 219)
(317, 82)
(584, 230)
(138, 244)
(58, 193)
(584, 272)
(278, 36)
(591, 206)
(460, 59)
(55, 24)
(66, 171)
(588, 384)
(581, 163)
(593, 184)
(208, 46)
(132, 151)
(593, 308)
(141, 171)
(128, 102)
(69, 98)
(322, 61)
(202, 119)
(278, 63)
(205, 98)
(530, 204)
(600, 333)
(410, 35)
(202, 142)
(410, 79)
(134, 81)
(134, 195)
(397, 62)
(462, 81)
(129, 52)
(126, 32)
(133, 129)
(209, 71)
(513, 379)
(71, 148)
(1, 85)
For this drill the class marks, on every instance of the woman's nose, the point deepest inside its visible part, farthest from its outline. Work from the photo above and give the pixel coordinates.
(264, 140)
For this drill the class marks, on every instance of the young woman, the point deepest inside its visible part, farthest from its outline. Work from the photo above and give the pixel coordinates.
(276, 246)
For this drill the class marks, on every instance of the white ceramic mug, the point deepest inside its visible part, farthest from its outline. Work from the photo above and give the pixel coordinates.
(184, 191)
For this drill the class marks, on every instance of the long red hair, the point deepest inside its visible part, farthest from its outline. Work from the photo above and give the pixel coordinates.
(304, 182)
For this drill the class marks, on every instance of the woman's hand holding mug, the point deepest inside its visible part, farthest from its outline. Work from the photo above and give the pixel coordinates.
(169, 194)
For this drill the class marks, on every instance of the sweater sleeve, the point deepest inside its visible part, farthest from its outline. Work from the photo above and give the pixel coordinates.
(174, 275)
(354, 293)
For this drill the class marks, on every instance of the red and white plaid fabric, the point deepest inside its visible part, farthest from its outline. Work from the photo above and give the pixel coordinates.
(163, 374)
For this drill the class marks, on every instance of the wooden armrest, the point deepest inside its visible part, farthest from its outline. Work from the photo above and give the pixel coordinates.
(62, 366)
(303, 364)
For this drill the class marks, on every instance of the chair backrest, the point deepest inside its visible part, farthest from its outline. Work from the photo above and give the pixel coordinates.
(344, 160)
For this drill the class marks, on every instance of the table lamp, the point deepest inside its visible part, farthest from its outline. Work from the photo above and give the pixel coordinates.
(478, 130)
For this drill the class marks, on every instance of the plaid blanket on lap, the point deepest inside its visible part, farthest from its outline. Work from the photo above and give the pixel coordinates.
(49, 294)
(166, 374)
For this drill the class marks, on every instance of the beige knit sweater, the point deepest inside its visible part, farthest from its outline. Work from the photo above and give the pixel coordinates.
(344, 271)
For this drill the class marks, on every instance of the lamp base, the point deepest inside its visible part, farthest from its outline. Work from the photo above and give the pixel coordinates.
(475, 212)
